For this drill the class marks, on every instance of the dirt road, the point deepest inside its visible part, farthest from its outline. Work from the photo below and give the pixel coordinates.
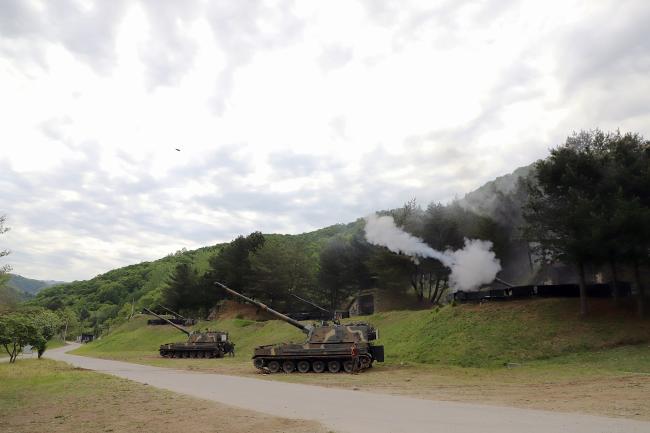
(348, 411)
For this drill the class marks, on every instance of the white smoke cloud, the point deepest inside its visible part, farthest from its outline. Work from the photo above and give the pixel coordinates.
(471, 266)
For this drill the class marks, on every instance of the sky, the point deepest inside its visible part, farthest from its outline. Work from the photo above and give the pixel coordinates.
(288, 115)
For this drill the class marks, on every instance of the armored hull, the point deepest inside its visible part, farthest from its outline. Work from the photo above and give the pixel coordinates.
(200, 345)
(316, 357)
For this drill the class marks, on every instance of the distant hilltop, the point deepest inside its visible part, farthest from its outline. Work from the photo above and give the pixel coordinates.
(29, 285)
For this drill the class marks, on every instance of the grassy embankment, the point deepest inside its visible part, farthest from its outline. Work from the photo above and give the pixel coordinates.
(558, 361)
(44, 395)
(536, 332)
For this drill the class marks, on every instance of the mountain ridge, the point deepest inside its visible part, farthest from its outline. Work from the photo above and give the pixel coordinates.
(29, 285)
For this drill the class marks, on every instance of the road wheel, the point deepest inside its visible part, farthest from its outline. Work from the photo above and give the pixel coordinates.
(186, 354)
(193, 354)
(173, 355)
(201, 354)
(273, 366)
(318, 366)
(348, 365)
(333, 366)
(288, 366)
(303, 366)
(258, 362)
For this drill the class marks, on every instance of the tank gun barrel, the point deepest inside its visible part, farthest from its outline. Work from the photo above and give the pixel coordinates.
(185, 331)
(312, 304)
(175, 314)
(264, 307)
(499, 280)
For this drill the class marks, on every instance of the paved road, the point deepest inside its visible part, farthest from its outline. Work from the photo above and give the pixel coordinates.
(347, 411)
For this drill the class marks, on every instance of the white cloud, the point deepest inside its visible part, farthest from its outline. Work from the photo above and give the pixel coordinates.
(289, 115)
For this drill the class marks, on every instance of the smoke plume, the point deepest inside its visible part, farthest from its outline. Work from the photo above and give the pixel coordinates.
(471, 266)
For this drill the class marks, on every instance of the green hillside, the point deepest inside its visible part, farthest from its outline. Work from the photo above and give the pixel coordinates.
(105, 300)
(10, 297)
(486, 335)
(15, 289)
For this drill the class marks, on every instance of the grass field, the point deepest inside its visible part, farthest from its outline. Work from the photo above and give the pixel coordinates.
(44, 395)
(559, 361)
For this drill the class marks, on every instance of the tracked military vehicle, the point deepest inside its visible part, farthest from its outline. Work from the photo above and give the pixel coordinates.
(329, 346)
(208, 344)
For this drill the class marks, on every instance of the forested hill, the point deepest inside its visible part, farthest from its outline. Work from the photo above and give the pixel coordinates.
(108, 298)
(325, 265)
(15, 289)
(500, 199)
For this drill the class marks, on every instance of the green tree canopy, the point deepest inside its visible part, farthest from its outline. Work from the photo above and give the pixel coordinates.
(588, 202)
(35, 327)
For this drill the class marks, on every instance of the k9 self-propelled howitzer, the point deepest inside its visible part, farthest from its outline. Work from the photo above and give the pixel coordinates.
(208, 344)
(328, 346)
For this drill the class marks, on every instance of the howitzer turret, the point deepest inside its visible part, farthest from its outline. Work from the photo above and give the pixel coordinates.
(208, 344)
(334, 347)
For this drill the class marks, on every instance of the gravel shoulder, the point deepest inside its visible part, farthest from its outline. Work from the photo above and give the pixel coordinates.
(345, 410)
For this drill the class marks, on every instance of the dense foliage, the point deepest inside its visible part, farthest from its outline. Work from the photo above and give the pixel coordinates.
(110, 298)
(34, 327)
(589, 203)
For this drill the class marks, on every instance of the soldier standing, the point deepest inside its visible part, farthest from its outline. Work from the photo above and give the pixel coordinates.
(355, 357)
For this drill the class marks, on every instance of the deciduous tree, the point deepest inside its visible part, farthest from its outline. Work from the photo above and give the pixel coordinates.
(16, 331)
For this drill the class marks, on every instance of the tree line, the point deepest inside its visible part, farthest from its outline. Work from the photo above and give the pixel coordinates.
(589, 204)
(272, 268)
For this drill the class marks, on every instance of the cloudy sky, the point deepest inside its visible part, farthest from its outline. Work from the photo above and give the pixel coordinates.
(289, 115)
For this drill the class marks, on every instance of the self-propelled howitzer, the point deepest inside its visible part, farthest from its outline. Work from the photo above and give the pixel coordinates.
(331, 347)
(208, 344)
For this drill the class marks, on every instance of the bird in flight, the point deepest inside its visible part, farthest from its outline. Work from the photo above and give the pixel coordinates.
(178, 150)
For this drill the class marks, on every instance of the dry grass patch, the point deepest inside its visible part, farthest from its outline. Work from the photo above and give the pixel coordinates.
(50, 396)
